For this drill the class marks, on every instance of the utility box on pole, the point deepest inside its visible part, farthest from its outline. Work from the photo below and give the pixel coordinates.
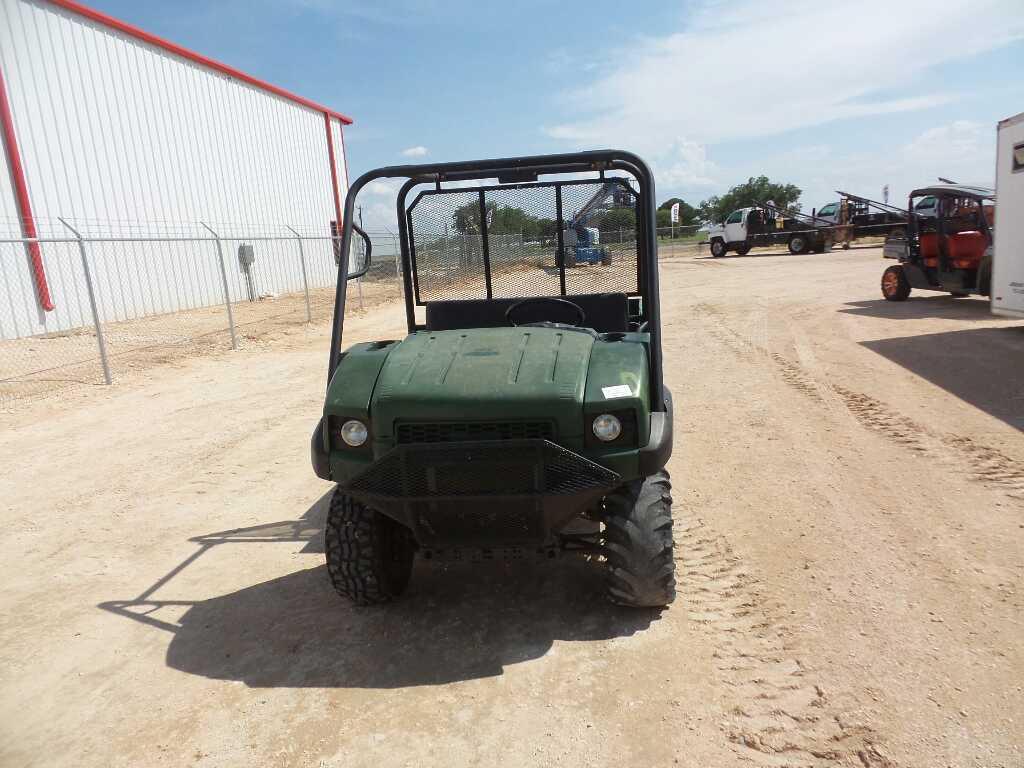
(1008, 244)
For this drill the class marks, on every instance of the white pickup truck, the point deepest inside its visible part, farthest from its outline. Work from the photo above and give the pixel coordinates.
(757, 227)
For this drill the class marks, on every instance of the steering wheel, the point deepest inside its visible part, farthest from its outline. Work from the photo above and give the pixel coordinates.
(548, 300)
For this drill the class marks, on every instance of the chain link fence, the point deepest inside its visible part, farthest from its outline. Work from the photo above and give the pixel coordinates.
(125, 300)
(130, 296)
(680, 241)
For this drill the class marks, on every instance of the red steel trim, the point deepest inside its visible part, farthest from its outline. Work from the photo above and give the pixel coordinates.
(334, 169)
(28, 224)
(344, 154)
(140, 34)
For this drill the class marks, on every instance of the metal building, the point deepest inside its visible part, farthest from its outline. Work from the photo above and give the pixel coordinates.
(119, 132)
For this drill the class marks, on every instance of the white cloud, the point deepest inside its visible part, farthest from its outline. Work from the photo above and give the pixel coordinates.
(382, 188)
(743, 70)
(952, 144)
(380, 217)
(685, 164)
(417, 151)
(960, 150)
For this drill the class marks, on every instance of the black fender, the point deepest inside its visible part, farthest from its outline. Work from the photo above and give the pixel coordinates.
(658, 451)
(318, 453)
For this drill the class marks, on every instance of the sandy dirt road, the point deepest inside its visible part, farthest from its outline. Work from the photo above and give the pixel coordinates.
(849, 486)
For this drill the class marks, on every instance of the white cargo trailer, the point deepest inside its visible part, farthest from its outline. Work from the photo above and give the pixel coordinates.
(1008, 264)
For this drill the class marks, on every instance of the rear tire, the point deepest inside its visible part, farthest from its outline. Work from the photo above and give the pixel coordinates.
(985, 278)
(895, 286)
(369, 555)
(797, 245)
(743, 250)
(638, 543)
(718, 248)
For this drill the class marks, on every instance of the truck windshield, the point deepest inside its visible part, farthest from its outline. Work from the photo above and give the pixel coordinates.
(735, 217)
(829, 210)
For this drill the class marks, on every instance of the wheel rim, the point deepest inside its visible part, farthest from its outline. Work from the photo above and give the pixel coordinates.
(798, 243)
(890, 283)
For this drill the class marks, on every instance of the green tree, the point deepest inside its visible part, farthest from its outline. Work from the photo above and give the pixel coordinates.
(618, 219)
(688, 215)
(750, 193)
(501, 220)
(467, 217)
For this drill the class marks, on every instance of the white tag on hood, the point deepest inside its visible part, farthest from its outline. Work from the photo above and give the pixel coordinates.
(619, 390)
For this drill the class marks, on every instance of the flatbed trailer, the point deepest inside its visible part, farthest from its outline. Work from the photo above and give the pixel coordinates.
(865, 217)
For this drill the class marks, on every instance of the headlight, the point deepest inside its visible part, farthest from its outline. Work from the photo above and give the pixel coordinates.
(607, 427)
(354, 433)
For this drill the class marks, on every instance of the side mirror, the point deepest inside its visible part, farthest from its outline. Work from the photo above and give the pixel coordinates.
(363, 248)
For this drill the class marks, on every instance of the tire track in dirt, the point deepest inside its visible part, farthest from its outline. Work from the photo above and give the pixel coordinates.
(987, 465)
(779, 715)
(878, 418)
(792, 373)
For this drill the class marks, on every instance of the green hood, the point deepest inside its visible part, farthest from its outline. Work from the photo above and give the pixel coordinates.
(485, 374)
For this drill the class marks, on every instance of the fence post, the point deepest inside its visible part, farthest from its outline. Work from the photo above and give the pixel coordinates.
(224, 281)
(100, 340)
(359, 282)
(305, 280)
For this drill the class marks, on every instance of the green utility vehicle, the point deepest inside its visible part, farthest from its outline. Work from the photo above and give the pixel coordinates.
(525, 413)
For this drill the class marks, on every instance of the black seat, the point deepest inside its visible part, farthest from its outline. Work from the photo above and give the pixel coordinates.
(606, 312)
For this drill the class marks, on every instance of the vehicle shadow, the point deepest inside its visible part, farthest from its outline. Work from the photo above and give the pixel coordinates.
(755, 254)
(458, 621)
(758, 253)
(918, 307)
(981, 366)
(750, 255)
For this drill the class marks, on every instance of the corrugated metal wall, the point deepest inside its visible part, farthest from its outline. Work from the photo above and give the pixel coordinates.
(121, 137)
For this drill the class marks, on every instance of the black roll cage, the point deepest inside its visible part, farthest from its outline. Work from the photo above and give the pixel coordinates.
(914, 220)
(516, 171)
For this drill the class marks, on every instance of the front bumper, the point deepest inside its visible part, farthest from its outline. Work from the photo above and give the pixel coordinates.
(630, 463)
(487, 493)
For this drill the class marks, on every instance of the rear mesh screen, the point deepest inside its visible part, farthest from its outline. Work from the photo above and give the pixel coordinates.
(503, 242)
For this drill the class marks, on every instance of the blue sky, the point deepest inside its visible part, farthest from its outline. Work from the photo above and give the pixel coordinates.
(825, 95)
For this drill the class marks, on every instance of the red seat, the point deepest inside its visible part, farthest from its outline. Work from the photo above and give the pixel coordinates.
(965, 249)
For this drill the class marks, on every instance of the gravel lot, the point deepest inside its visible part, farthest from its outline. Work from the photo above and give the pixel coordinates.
(850, 509)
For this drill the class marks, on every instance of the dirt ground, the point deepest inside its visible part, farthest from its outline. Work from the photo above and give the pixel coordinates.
(41, 366)
(849, 486)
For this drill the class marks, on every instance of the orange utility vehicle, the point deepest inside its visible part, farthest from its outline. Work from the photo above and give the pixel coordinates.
(948, 249)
